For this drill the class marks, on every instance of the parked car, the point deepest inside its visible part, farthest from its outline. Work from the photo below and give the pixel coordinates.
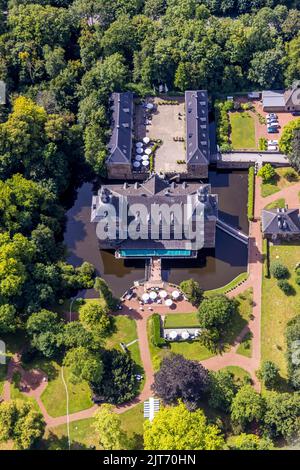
(274, 124)
(272, 130)
(296, 113)
(270, 120)
(272, 147)
(272, 142)
(272, 115)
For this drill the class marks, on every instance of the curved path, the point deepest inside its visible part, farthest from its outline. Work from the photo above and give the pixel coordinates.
(34, 383)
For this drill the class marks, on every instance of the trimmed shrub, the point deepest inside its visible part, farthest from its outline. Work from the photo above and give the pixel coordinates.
(266, 254)
(267, 173)
(279, 271)
(155, 331)
(285, 286)
(251, 187)
(290, 175)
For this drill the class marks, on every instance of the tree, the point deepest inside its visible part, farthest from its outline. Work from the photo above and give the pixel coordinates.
(180, 378)
(84, 365)
(192, 291)
(104, 292)
(282, 416)
(95, 319)
(7, 318)
(269, 374)
(46, 332)
(279, 270)
(120, 37)
(287, 137)
(177, 428)
(215, 312)
(109, 429)
(222, 390)
(267, 173)
(119, 383)
(21, 423)
(266, 68)
(247, 406)
(75, 335)
(252, 442)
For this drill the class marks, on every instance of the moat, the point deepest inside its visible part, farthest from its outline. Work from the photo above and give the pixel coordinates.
(212, 268)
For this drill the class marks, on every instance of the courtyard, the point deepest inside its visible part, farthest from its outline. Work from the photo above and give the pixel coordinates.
(168, 125)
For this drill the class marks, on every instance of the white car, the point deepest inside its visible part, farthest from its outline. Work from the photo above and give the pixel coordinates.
(272, 142)
(272, 115)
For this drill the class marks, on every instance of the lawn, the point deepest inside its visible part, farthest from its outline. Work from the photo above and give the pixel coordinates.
(83, 435)
(238, 372)
(278, 204)
(245, 348)
(277, 308)
(181, 320)
(279, 182)
(242, 130)
(54, 396)
(125, 332)
(240, 319)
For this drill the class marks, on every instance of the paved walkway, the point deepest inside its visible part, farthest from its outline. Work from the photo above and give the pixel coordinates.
(32, 381)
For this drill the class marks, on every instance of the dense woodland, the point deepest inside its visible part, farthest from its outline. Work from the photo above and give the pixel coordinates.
(60, 60)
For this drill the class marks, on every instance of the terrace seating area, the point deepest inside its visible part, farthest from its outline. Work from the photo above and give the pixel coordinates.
(181, 334)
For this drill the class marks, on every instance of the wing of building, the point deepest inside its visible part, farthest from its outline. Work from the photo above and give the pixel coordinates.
(282, 101)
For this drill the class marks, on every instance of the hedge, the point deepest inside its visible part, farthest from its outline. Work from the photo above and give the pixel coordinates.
(266, 254)
(251, 187)
(155, 331)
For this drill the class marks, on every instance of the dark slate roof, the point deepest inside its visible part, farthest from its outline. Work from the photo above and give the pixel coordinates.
(292, 95)
(197, 127)
(120, 144)
(280, 221)
(157, 190)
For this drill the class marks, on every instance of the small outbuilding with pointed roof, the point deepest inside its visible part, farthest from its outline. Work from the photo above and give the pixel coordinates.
(280, 224)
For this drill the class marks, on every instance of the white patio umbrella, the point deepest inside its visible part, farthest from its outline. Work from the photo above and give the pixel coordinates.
(149, 106)
(138, 157)
(148, 151)
(146, 140)
(153, 295)
(185, 335)
(173, 334)
(136, 164)
(145, 297)
(139, 144)
(163, 294)
(168, 302)
(145, 162)
(139, 150)
(145, 157)
(175, 294)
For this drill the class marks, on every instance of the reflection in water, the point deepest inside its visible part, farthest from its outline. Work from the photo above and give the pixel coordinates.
(212, 268)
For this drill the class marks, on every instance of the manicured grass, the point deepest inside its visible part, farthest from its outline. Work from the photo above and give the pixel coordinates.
(193, 350)
(240, 319)
(238, 372)
(181, 320)
(279, 182)
(278, 204)
(245, 348)
(83, 435)
(125, 332)
(3, 369)
(228, 287)
(278, 308)
(242, 130)
(54, 396)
